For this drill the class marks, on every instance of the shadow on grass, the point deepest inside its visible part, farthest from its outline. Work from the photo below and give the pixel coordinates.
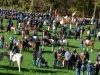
(14, 68)
(46, 71)
(97, 50)
(47, 51)
(8, 74)
(73, 46)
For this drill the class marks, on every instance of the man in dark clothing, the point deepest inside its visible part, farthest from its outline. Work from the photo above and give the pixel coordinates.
(78, 66)
(98, 57)
(39, 56)
(26, 31)
(89, 37)
(34, 57)
(25, 44)
(37, 45)
(8, 26)
(55, 59)
(15, 49)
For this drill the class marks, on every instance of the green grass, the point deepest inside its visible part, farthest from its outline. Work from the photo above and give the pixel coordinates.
(29, 69)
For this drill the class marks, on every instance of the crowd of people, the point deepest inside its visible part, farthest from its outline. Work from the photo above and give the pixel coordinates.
(71, 60)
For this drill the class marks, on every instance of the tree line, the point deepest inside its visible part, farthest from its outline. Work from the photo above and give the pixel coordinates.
(84, 8)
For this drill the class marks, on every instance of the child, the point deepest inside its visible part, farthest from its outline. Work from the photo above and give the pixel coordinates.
(6, 45)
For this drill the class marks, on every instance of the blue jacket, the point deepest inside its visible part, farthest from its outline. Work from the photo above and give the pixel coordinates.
(89, 67)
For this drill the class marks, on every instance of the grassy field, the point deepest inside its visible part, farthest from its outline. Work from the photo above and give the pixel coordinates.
(27, 65)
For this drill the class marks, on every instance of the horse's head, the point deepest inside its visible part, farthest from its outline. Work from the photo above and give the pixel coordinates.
(2, 54)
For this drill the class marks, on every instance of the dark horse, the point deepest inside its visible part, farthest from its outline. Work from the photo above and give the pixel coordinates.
(45, 41)
(2, 54)
(76, 35)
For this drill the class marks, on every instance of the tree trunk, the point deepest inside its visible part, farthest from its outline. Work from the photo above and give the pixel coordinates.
(94, 12)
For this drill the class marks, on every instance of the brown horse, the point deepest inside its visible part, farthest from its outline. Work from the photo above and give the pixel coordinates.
(45, 41)
(67, 20)
(89, 43)
(13, 28)
(23, 32)
(32, 44)
(20, 46)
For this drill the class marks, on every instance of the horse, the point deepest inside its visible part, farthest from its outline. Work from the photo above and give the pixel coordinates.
(23, 32)
(45, 41)
(67, 20)
(12, 58)
(20, 46)
(13, 28)
(64, 41)
(16, 58)
(32, 44)
(2, 54)
(76, 34)
(89, 43)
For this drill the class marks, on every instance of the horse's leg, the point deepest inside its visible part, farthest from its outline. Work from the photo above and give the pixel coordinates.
(52, 47)
(15, 31)
(42, 47)
(87, 48)
(19, 64)
(91, 48)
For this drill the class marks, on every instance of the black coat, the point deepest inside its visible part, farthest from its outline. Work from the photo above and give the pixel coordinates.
(34, 54)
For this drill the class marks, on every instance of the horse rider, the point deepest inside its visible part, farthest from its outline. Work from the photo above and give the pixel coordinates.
(25, 44)
(15, 49)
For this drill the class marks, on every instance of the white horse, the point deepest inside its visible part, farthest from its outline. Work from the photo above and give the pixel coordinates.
(16, 58)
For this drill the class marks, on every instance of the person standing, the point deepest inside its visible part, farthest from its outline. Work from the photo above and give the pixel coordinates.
(34, 57)
(98, 57)
(6, 45)
(37, 44)
(81, 43)
(11, 41)
(98, 36)
(67, 58)
(2, 40)
(55, 58)
(78, 66)
(39, 56)
(89, 68)
(82, 68)
(97, 67)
